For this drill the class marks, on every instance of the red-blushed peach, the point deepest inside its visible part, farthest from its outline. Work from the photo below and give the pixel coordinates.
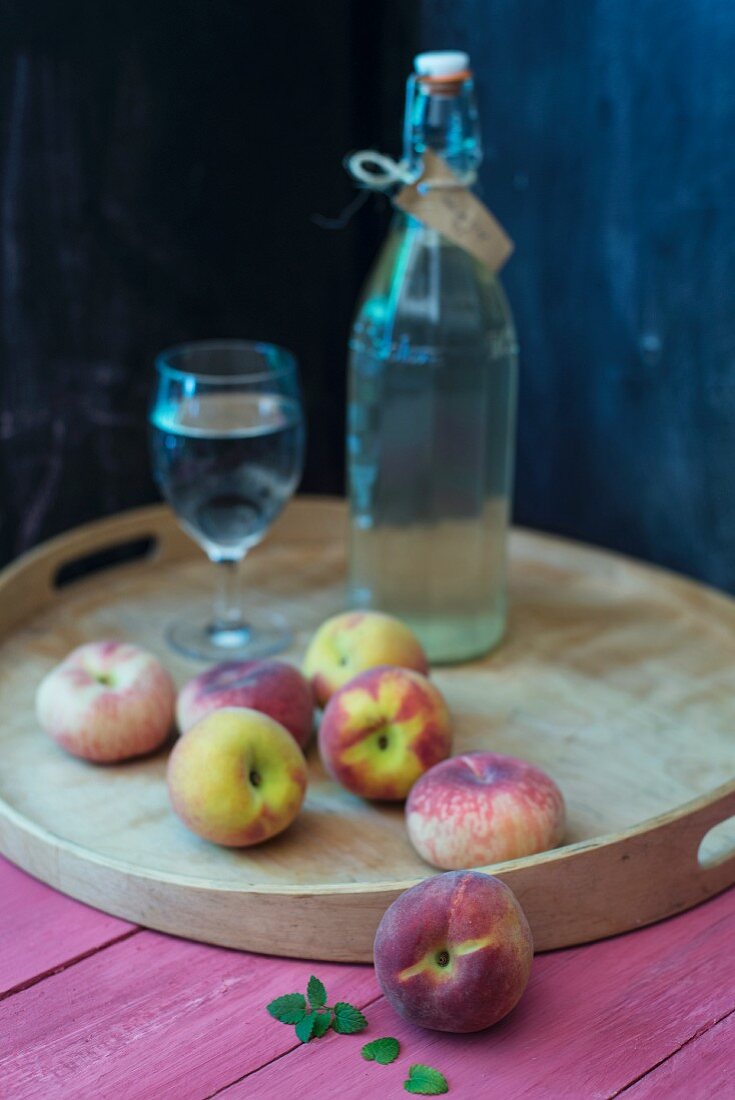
(355, 641)
(454, 953)
(237, 777)
(383, 730)
(107, 702)
(483, 808)
(272, 687)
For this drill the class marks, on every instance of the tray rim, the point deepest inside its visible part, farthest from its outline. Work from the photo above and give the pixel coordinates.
(134, 522)
(694, 818)
(687, 809)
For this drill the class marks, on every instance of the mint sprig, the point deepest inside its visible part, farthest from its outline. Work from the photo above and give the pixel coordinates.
(425, 1081)
(312, 1021)
(321, 1024)
(289, 1009)
(347, 1019)
(316, 993)
(305, 1027)
(383, 1051)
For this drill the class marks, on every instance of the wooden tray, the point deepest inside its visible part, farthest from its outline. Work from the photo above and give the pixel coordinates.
(617, 678)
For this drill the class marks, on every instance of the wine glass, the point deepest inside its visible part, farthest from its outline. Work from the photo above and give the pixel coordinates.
(227, 446)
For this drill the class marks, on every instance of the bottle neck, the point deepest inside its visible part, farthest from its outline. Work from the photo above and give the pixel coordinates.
(442, 116)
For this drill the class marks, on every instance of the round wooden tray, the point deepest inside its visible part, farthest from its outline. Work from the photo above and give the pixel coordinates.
(617, 678)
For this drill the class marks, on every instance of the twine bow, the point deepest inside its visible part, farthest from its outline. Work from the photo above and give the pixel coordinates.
(386, 172)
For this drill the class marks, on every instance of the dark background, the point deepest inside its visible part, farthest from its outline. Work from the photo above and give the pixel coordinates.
(161, 166)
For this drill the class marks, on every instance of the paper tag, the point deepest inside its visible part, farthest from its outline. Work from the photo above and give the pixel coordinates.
(455, 213)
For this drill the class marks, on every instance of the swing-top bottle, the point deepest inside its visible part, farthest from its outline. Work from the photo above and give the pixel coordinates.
(432, 395)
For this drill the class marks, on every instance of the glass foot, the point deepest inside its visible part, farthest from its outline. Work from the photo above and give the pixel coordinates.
(266, 633)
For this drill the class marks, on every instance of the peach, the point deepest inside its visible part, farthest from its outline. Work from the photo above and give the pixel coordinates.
(237, 777)
(355, 641)
(483, 808)
(106, 702)
(383, 730)
(272, 687)
(454, 953)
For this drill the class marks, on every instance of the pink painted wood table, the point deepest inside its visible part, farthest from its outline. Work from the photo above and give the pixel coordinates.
(92, 1007)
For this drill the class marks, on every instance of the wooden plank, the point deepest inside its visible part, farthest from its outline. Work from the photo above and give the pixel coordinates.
(593, 1020)
(41, 930)
(701, 1070)
(155, 1017)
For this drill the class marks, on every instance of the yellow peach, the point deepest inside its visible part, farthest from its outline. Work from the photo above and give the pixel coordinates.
(355, 641)
(237, 777)
(383, 730)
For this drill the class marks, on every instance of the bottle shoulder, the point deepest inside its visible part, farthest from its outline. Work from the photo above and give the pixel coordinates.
(423, 289)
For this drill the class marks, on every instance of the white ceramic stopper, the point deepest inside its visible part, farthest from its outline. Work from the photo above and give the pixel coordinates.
(441, 62)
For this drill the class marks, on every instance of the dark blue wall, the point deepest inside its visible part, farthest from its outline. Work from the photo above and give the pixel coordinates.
(610, 132)
(161, 164)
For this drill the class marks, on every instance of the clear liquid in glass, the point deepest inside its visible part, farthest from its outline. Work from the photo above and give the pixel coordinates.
(227, 463)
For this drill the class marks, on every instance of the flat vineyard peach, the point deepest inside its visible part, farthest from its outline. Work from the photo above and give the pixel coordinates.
(106, 702)
(482, 808)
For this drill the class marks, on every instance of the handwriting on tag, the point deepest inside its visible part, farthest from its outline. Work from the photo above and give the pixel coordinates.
(455, 213)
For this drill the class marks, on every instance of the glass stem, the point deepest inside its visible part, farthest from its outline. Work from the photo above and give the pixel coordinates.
(228, 611)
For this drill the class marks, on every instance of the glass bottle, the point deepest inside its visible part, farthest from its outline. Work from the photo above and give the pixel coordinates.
(431, 414)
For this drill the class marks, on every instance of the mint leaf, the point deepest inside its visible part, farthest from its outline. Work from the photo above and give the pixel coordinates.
(348, 1019)
(305, 1027)
(384, 1051)
(316, 993)
(425, 1081)
(289, 1009)
(321, 1024)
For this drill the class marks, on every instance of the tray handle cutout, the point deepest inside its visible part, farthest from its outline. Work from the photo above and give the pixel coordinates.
(139, 536)
(714, 840)
(717, 846)
(107, 557)
(45, 574)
